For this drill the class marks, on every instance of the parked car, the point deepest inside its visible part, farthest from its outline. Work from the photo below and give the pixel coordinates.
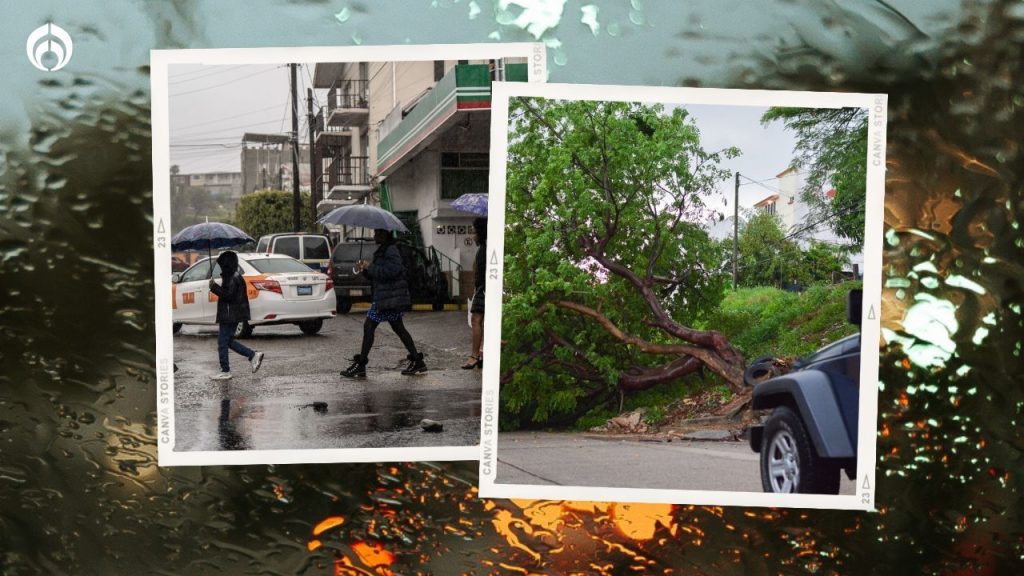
(281, 290)
(811, 434)
(314, 250)
(427, 283)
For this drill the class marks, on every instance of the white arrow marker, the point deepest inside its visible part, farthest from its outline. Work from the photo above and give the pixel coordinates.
(871, 312)
(867, 483)
(494, 257)
(160, 226)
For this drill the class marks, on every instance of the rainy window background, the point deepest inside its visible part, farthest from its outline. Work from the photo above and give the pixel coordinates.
(80, 491)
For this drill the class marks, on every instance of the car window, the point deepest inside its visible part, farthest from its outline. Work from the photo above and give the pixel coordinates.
(275, 265)
(262, 246)
(288, 245)
(201, 271)
(352, 252)
(315, 248)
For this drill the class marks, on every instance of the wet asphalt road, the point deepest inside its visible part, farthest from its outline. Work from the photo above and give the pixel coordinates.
(297, 400)
(572, 459)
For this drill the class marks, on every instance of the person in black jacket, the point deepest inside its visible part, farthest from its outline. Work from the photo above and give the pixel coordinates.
(476, 311)
(232, 308)
(390, 301)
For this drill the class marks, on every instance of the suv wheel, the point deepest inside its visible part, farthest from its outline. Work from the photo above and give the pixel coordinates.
(311, 327)
(344, 305)
(176, 327)
(789, 463)
(243, 330)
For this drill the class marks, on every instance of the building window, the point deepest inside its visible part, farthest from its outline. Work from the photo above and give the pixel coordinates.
(770, 208)
(463, 173)
(438, 70)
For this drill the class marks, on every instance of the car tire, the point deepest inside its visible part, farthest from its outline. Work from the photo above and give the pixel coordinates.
(759, 370)
(243, 330)
(310, 327)
(344, 305)
(789, 463)
(176, 327)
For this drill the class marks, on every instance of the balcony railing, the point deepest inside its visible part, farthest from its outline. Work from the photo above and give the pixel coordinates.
(346, 171)
(354, 94)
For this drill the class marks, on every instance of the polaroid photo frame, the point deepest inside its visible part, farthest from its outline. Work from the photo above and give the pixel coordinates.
(462, 97)
(527, 469)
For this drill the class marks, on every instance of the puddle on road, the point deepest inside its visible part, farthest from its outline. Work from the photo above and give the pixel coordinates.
(367, 418)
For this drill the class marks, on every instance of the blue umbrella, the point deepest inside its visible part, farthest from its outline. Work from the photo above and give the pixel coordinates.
(207, 236)
(475, 203)
(364, 215)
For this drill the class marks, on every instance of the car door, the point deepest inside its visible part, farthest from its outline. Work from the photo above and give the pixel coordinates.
(191, 295)
(316, 253)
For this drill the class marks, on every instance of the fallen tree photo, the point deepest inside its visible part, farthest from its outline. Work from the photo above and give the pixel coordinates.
(607, 265)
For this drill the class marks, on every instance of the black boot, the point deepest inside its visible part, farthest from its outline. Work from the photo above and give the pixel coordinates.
(416, 365)
(357, 369)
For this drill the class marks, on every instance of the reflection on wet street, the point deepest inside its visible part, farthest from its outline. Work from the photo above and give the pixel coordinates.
(298, 401)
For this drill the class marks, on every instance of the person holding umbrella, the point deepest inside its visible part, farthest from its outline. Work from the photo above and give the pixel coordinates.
(232, 308)
(476, 203)
(476, 310)
(390, 301)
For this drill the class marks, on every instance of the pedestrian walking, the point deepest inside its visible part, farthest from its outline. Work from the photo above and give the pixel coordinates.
(232, 308)
(476, 309)
(391, 300)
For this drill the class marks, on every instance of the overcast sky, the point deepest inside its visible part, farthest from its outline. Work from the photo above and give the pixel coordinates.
(765, 150)
(211, 107)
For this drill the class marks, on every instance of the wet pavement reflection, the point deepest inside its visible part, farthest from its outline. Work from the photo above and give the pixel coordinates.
(298, 401)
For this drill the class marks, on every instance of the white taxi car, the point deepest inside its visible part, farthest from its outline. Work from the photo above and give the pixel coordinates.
(281, 290)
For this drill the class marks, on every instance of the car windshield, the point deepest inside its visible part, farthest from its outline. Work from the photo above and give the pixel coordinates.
(275, 265)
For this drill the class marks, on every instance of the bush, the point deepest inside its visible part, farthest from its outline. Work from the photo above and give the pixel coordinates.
(771, 322)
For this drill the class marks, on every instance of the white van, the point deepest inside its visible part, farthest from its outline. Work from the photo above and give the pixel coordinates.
(313, 250)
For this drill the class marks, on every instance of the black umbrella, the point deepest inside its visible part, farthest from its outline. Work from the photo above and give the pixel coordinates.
(207, 236)
(364, 215)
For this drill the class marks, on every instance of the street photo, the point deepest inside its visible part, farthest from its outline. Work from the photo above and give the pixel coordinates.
(321, 224)
(687, 290)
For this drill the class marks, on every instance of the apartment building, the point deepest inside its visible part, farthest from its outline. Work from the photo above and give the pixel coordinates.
(410, 137)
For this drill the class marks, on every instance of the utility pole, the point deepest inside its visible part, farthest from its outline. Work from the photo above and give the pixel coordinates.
(735, 229)
(297, 199)
(314, 189)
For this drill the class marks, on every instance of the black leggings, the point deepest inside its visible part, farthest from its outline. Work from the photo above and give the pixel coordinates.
(369, 327)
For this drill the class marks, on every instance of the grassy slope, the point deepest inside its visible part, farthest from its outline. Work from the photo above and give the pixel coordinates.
(759, 322)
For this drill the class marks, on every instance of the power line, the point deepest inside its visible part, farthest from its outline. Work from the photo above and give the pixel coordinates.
(226, 83)
(761, 183)
(224, 131)
(203, 73)
(201, 124)
(234, 145)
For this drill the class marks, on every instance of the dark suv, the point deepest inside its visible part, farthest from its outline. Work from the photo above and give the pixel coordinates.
(427, 283)
(811, 433)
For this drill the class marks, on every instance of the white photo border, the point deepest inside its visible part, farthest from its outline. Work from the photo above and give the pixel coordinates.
(160, 62)
(876, 104)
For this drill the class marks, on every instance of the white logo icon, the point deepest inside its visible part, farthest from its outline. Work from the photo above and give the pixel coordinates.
(49, 39)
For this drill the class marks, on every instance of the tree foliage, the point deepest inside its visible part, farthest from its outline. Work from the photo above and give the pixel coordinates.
(769, 257)
(194, 204)
(832, 145)
(605, 267)
(270, 211)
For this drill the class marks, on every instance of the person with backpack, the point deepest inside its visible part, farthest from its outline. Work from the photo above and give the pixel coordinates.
(391, 300)
(232, 308)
